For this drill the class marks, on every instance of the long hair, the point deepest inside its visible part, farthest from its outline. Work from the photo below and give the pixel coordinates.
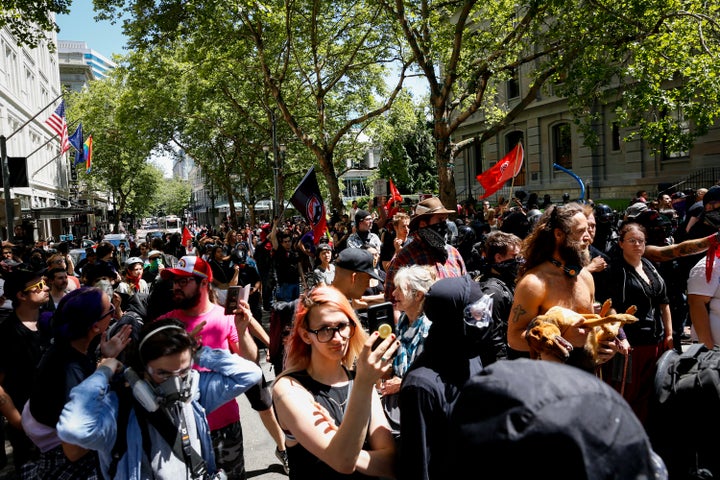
(298, 352)
(539, 245)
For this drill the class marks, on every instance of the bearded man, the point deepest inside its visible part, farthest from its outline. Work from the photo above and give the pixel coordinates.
(555, 253)
(191, 281)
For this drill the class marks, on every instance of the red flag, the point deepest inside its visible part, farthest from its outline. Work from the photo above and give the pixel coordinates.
(186, 236)
(308, 201)
(394, 197)
(57, 123)
(495, 177)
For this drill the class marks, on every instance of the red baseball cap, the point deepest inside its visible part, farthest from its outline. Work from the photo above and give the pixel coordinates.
(188, 266)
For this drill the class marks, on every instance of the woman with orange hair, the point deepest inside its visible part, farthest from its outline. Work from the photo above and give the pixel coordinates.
(325, 399)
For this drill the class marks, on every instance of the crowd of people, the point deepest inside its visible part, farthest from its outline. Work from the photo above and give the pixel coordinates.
(148, 329)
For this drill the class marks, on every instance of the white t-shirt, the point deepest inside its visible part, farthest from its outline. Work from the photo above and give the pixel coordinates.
(698, 285)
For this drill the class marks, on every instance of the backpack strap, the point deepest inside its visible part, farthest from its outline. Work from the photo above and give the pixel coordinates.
(176, 436)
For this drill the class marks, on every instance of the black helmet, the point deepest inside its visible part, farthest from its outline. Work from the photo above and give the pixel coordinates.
(533, 216)
(465, 235)
(603, 213)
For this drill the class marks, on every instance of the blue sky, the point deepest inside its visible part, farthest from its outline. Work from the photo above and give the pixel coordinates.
(103, 37)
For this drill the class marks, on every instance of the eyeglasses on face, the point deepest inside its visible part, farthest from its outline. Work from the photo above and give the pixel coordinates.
(110, 312)
(325, 334)
(634, 241)
(165, 374)
(182, 281)
(36, 287)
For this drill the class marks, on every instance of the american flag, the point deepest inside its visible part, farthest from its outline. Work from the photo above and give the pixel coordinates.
(58, 125)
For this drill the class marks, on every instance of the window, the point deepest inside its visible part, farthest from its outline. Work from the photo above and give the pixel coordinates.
(681, 126)
(475, 153)
(562, 145)
(615, 137)
(513, 85)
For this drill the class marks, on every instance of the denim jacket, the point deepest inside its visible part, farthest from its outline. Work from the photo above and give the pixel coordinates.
(89, 419)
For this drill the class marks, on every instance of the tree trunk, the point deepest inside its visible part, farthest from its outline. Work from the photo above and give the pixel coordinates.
(331, 178)
(444, 156)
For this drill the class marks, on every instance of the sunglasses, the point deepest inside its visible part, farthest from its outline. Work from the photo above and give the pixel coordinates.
(39, 286)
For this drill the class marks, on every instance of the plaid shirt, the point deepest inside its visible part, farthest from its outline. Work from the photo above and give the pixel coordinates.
(418, 253)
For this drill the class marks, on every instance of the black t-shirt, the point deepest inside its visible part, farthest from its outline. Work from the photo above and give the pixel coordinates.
(20, 352)
(60, 370)
(286, 265)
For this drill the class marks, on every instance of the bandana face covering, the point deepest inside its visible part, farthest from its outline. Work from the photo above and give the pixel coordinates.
(435, 241)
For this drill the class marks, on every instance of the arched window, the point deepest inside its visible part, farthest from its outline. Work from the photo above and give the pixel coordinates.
(562, 145)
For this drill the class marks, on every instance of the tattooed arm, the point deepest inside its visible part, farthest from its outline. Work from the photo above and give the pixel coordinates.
(670, 252)
(529, 294)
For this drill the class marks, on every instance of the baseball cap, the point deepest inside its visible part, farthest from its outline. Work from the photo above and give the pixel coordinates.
(188, 266)
(635, 209)
(531, 408)
(357, 260)
(134, 260)
(154, 253)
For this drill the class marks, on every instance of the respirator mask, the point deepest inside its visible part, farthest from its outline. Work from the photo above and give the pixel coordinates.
(175, 389)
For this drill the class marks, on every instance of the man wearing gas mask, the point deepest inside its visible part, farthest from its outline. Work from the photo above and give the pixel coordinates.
(148, 421)
(502, 260)
(428, 246)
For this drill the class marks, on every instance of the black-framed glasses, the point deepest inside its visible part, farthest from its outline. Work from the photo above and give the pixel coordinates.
(182, 281)
(111, 311)
(325, 334)
(36, 287)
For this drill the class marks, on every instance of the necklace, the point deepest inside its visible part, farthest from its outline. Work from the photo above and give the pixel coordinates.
(570, 271)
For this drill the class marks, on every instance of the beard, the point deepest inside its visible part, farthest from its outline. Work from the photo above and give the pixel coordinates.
(574, 253)
(185, 303)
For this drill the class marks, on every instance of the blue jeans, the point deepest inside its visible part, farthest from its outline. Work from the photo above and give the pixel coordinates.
(287, 292)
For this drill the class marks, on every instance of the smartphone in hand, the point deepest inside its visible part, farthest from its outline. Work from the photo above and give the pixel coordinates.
(381, 318)
(234, 294)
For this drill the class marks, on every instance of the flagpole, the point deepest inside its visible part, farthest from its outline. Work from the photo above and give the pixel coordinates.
(33, 117)
(512, 184)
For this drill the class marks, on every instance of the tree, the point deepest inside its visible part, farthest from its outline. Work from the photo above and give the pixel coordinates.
(123, 137)
(651, 58)
(30, 20)
(407, 142)
(174, 197)
(323, 63)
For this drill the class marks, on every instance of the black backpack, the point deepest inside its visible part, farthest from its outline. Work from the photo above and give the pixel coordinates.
(684, 418)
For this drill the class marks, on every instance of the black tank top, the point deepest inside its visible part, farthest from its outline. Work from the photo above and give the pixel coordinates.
(303, 464)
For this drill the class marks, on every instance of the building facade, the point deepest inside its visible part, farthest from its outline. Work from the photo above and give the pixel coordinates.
(614, 169)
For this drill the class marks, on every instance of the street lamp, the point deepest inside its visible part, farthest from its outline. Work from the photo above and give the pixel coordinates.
(279, 180)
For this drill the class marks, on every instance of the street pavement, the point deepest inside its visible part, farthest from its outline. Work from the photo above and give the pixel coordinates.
(260, 460)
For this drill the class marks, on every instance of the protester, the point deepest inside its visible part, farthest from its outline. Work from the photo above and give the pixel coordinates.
(325, 398)
(169, 397)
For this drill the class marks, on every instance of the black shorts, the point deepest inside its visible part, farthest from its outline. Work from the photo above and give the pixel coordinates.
(260, 395)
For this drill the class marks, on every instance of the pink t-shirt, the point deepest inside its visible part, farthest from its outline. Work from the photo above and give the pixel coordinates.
(218, 332)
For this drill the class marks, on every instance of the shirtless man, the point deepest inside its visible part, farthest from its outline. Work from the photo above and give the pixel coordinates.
(555, 254)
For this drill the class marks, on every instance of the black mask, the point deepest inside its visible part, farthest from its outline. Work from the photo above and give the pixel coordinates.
(712, 218)
(508, 269)
(440, 228)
